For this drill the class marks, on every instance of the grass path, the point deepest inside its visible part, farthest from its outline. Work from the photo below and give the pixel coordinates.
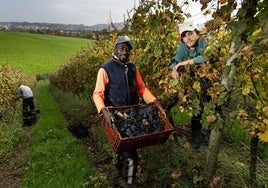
(56, 159)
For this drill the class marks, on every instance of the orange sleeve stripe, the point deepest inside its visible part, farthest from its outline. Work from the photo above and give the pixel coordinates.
(98, 94)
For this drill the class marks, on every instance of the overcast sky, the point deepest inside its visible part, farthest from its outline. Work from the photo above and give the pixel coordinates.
(87, 12)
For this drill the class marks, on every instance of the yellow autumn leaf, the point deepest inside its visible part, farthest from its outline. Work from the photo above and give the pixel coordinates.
(242, 115)
(264, 136)
(184, 98)
(239, 164)
(266, 122)
(181, 109)
(176, 174)
(265, 110)
(221, 34)
(261, 126)
(246, 89)
(190, 114)
(246, 48)
(258, 106)
(211, 118)
(257, 32)
(197, 86)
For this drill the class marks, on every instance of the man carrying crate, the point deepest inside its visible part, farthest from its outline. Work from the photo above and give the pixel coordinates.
(119, 83)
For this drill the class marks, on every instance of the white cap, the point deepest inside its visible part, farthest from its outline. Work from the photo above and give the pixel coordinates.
(187, 26)
(122, 39)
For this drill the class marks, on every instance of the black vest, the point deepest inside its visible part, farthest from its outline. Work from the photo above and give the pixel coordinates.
(121, 89)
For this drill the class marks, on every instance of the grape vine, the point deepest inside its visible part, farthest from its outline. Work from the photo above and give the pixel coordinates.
(9, 80)
(153, 28)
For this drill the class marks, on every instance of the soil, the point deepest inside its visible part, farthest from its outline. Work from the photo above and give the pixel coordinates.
(11, 170)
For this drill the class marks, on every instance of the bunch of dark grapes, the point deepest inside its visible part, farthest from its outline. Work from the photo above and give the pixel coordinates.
(133, 122)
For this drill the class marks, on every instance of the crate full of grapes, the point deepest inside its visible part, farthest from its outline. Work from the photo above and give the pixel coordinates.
(137, 126)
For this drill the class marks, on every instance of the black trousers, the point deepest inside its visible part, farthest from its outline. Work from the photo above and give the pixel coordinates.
(196, 129)
(28, 106)
(126, 164)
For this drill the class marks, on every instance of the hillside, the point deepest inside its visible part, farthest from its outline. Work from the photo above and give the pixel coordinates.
(55, 26)
(38, 54)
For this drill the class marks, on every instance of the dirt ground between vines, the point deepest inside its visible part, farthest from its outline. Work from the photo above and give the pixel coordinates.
(12, 169)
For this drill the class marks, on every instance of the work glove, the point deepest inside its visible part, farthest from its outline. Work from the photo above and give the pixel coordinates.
(172, 101)
(159, 106)
(108, 116)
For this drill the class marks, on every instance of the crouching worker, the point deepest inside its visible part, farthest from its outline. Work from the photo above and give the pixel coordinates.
(26, 94)
(119, 83)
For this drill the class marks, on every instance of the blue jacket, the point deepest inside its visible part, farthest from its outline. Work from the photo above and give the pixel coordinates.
(183, 52)
(121, 89)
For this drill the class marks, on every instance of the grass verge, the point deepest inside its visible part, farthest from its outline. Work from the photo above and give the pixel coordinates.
(11, 134)
(56, 159)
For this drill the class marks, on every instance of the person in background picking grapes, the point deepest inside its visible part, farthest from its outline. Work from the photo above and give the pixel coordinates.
(119, 83)
(189, 52)
(26, 94)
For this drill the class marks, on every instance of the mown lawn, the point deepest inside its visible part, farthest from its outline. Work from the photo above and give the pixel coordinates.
(38, 53)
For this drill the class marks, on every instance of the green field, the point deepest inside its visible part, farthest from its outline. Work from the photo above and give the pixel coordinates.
(37, 53)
